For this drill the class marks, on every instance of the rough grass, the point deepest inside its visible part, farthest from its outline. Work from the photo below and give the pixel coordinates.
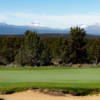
(79, 80)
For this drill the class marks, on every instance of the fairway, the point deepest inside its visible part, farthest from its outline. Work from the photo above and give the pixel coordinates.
(50, 77)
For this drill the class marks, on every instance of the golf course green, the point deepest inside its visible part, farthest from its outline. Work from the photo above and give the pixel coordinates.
(53, 78)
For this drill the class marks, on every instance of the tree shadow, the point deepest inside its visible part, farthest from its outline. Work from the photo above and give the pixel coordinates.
(1, 99)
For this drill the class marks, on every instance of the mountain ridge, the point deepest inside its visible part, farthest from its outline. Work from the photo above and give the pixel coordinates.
(6, 29)
(54, 35)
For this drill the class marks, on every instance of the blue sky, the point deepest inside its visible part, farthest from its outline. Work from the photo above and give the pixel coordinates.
(50, 13)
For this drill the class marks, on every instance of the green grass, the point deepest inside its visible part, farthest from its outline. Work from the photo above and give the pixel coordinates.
(73, 79)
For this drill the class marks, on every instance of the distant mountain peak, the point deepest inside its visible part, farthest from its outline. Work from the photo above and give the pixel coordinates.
(82, 25)
(36, 24)
(96, 24)
(13, 29)
(3, 23)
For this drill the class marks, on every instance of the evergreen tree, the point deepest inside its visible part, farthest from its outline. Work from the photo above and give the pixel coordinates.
(1, 47)
(57, 48)
(75, 51)
(78, 53)
(65, 51)
(46, 55)
(27, 32)
(21, 57)
(89, 43)
(17, 43)
(32, 50)
(95, 51)
(8, 49)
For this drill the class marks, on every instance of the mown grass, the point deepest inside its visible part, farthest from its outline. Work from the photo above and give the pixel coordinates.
(79, 80)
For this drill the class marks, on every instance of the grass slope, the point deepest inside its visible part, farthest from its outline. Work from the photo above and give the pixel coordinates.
(74, 79)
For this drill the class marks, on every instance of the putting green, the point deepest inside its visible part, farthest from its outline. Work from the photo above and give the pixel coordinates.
(57, 75)
(50, 77)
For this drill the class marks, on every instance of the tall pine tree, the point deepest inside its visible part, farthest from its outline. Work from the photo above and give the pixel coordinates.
(75, 51)
(31, 49)
(95, 51)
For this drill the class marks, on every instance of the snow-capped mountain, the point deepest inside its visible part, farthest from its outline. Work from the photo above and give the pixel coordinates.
(12, 29)
(95, 26)
(93, 29)
(3, 23)
(37, 24)
(82, 25)
(5, 28)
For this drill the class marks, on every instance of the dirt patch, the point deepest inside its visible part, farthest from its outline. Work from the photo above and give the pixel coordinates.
(53, 92)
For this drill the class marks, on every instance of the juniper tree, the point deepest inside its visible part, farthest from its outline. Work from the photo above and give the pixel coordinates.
(46, 54)
(32, 49)
(75, 51)
(65, 51)
(21, 57)
(8, 49)
(76, 46)
(95, 51)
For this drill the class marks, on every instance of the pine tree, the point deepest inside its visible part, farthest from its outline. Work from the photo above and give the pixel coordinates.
(21, 57)
(8, 49)
(46, 55)
(75, 52)
(95, 51)
(30, 51)
(76, 46)
(65, 51)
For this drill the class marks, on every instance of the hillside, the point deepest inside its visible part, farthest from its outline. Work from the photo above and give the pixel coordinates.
(55, 35)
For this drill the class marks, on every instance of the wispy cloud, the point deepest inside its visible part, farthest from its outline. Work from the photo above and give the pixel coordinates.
(95, 13)
(22, 15)
(2, 17)
(58, 18)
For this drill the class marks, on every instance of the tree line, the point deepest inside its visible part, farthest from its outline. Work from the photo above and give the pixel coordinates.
(33, 51)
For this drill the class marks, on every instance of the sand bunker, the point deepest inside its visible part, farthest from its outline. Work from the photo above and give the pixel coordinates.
(36, 95)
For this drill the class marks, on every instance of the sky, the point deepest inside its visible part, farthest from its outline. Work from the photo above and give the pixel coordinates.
(50, 13)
